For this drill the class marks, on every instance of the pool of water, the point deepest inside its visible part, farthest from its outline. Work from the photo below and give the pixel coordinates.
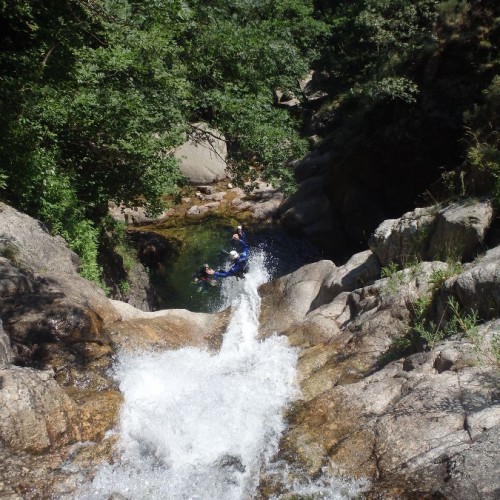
(209, 242)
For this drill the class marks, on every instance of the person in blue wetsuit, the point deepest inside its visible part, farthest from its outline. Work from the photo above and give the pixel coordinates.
(240, 260)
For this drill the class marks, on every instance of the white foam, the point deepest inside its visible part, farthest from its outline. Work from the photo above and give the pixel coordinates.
(201, 425)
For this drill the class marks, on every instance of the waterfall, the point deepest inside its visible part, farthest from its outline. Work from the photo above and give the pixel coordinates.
(202, 426)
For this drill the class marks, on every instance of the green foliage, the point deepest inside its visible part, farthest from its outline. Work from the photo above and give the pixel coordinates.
(451, 322)
(124, 287)
(371, 41)
(94, 97)
(114, 237)
(488, 352)
(396, 277)
(3, 179)
(439, 276)
(495, 349)
(390, 270)
(483, 153)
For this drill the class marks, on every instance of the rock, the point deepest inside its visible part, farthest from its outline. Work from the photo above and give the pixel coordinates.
(401, 240)
(460, 231)
(241, 205)
(152, 248)
(286, 99)
(48, 258)
(304, 216)
(205, 189)
(167, 329)
(216, 196)
(203, 156)
(136, 216)
(28, 243)
(312, 165)
(212, 205)
(309, 188)
(6, 354)
(359, 270)
(35, 412)
(478, 285)
(288, 299)
(37, 311)
(98, 411)
(311, 86)
(308, 211)
(430, 233)
(392, 427)
(266, 201)
(197, 210)
(399, 424)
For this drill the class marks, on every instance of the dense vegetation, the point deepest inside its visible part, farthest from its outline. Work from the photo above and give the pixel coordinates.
(94, 94)
(414, 96)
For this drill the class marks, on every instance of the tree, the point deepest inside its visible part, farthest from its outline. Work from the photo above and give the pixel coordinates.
(95, 95)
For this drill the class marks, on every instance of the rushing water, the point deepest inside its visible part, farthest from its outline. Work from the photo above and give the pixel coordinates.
(199, 425)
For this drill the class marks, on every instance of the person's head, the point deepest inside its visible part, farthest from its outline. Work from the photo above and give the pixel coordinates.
(206, 266)
(234, 254)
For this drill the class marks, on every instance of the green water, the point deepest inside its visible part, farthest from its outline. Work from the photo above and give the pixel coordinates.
(206, 242)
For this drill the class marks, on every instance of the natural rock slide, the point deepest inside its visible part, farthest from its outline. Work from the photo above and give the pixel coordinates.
(421, 420)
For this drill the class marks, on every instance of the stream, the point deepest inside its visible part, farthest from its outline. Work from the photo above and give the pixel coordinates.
(202, 425)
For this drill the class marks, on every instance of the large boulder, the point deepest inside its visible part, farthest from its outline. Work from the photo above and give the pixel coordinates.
(35, 413)
(308, 211)
(35, 311)
(288, 299)
(29, 246)
(359, 270)
(203, 156)
(401, 240)
(460, 230)
(314, 164)
(433, 233)
(477, 287)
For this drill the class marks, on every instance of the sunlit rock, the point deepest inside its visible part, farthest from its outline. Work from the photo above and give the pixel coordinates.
(35, 413)
(203, 156)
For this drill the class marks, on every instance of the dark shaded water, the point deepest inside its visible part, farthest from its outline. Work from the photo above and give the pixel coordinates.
(209, 241)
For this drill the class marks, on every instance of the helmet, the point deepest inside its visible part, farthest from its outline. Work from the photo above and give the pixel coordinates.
(234, 254)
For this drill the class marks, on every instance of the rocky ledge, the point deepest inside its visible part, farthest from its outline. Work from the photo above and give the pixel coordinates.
(58, 336)
(399, 366)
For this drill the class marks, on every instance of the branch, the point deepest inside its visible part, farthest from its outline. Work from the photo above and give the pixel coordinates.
(45, 59)
(209, 137)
